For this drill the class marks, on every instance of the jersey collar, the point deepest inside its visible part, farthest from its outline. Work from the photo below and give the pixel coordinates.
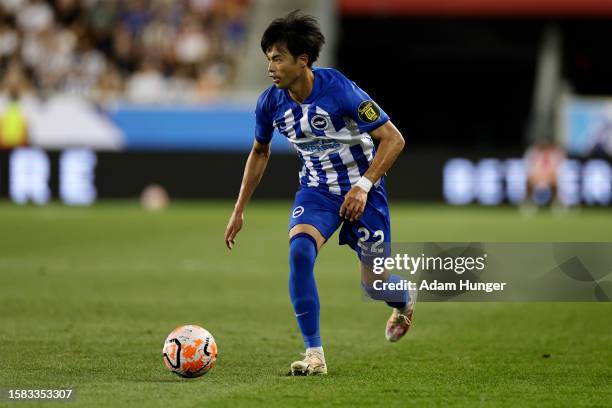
(314, 92)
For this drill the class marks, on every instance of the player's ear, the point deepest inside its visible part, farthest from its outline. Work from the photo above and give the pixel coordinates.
(303, 60)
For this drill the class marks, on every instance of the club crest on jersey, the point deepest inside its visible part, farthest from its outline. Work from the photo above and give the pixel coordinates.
(297, 211)
(319, 122)
(368, 111)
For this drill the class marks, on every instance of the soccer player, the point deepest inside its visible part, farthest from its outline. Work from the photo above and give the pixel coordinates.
(330, 122)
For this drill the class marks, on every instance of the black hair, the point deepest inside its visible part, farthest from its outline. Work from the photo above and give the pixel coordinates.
(300, 33)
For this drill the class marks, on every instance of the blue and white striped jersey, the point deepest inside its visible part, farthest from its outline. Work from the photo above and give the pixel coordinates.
(329, 130)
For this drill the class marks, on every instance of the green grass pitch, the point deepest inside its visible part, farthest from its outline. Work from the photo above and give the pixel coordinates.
(87, 296)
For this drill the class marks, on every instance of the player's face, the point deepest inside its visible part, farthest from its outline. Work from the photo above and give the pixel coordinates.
(283, 68)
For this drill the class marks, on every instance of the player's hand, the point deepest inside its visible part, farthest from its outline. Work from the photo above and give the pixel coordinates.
(233, 227)
(354, 204)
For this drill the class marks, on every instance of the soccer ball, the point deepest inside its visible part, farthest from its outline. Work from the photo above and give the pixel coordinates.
(190, 351)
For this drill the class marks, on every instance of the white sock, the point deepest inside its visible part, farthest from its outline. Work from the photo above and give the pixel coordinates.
(316, 350)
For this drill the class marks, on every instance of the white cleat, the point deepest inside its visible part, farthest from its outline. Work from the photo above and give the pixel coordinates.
(399, 323)
(312, 364)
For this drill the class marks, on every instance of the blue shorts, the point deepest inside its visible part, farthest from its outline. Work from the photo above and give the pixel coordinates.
(371, 234)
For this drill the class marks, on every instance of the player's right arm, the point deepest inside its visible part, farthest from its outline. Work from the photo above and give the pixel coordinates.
(253, 171)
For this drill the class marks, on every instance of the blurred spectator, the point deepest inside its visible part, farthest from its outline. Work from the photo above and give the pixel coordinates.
(110, 84)
(13, 122)
(67, 12)
(147, 85)
(181, 87)
(210, 81)
(184, 50)
(543, 160)
(99, 17)
(135, 15)
(192, 44)
(9, 40)
(159, 37)
(88, 66)
(12, 6)
(124, 52)
(35, 16)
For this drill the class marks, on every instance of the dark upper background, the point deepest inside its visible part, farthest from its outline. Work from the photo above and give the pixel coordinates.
(465, 81)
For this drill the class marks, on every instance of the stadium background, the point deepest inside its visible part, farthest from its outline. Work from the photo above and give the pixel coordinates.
(120, 95)
(164, 91)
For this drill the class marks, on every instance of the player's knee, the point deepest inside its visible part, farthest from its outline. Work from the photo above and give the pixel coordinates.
(302, 248)
(309, 231)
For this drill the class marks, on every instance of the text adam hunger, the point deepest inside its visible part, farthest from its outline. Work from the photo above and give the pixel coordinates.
(435, 286)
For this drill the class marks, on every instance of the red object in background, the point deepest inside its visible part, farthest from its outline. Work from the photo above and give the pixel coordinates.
(541, 8)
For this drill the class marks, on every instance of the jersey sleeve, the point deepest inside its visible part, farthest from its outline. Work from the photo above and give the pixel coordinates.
(361, 108)
(264, 126)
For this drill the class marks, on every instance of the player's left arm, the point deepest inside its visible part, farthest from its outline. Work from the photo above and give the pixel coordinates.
(391, 143)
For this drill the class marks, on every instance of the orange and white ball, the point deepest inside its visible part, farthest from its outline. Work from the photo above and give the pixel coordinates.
(190, 351)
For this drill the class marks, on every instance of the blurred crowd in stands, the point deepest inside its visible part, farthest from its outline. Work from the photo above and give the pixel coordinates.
(143, 51)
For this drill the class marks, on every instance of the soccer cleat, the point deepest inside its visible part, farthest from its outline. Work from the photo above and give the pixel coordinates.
(312, 364)
(399, 324)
